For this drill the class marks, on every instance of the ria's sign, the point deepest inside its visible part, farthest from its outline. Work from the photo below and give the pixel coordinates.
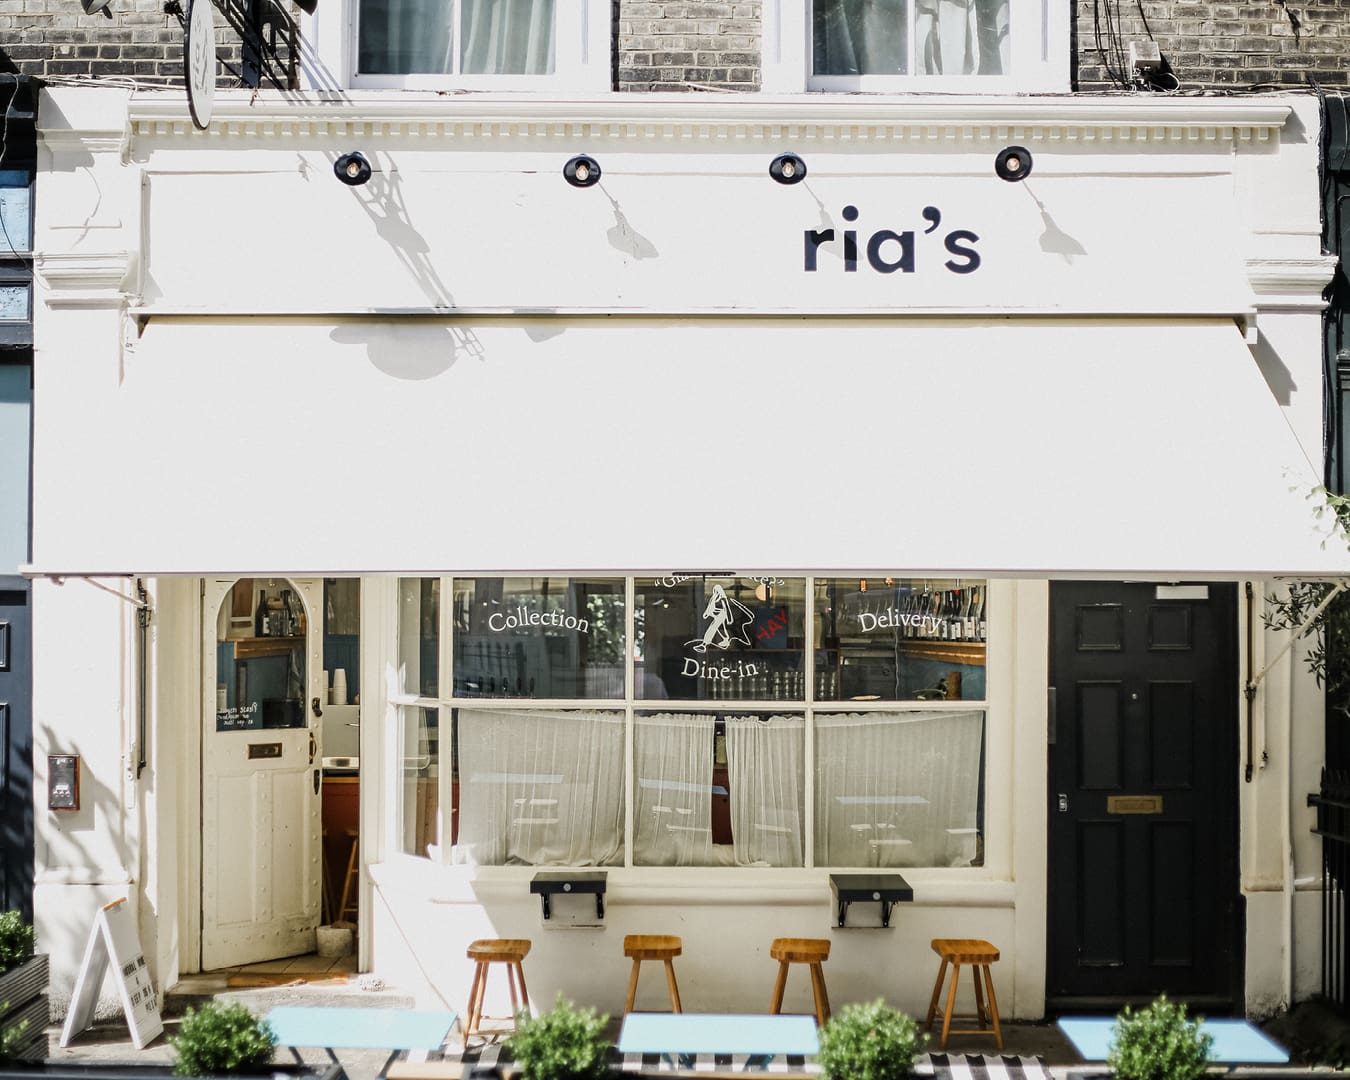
(888, 250)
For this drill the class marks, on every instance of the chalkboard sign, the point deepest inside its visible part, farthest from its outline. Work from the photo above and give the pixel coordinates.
(114, 941)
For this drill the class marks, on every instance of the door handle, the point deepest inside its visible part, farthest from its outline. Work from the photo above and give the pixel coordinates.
(313, 747)
(1062, 800)
(314, 708)
(318, 779)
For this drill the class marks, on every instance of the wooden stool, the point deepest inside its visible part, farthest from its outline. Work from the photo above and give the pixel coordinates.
(508, 951)
(978, 955)
(813, 951)
(351, 885)
(652, 947)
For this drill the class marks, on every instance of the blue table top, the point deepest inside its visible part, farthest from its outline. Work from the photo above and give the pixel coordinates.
(1235, 1041)
(705, 1033)
(360, 1029)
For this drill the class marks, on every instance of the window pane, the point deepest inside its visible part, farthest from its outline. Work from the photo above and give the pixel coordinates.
(421, 781)
(538, 788)
(900, 639)
(704, 638)
(899, 789)
(506, 37)
(861, 37)
(419, 653)
(16, 211)
(961, 37)
(404, 37)
(539, 637)
(342, 640)
(718, 790)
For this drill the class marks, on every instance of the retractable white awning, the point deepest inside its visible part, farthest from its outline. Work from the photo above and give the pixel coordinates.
(1032, 447)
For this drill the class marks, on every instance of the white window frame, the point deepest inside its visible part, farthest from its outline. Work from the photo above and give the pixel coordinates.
(995, 830)
(582, 62)
(1039, 37)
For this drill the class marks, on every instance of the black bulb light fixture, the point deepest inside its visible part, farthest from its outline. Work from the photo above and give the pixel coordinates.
(1013, 164)
(352, 168)
(582, 171)
(788, 169)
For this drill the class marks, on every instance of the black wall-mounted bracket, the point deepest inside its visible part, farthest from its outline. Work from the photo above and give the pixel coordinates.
(550, 883)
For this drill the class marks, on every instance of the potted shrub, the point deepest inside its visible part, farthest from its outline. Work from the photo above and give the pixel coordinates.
(23, 991)
(870, 1041)
(220, 1038)
(565, 1043)
(1159, 1042)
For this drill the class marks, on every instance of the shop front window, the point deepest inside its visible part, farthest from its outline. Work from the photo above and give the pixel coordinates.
(419, 716)
(721, 638)
(539, 787)
(539, 638)
(728, 681)
(900, 639)
(899, 789)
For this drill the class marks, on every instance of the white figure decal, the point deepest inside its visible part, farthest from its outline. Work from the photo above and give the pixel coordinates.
(728, 620)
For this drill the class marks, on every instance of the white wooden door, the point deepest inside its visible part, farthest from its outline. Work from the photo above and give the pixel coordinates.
(261, 771)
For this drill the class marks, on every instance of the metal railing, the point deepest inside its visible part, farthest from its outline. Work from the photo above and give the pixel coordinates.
(1332, 802)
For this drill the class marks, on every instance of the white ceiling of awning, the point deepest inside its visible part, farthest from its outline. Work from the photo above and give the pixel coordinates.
(1115, 448)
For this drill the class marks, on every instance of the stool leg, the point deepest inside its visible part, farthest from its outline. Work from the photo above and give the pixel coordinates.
(980, 1013)
(632, 986)
(821, 996)
(670, 982)
(511, 989)
(776, 1005)
(951, 1004)
(524, 994)
(937, 990)
(993, 1006)
(475, 991)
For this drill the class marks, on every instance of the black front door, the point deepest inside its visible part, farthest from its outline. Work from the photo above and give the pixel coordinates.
(16, 749)
(1143, 839)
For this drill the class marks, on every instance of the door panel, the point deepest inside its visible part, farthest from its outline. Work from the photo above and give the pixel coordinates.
(1143, 883)
(261, 761)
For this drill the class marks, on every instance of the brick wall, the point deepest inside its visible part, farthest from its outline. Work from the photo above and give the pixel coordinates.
(1216, 45)
(707, 45)
(141, 39)
(684, 45)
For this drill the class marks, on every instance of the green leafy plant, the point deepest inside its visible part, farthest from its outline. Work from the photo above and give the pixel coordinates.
(870, 1041)
(17, 940)
(222, 1038)
(565, 1043)
(11, 1038)
(1159, 1042)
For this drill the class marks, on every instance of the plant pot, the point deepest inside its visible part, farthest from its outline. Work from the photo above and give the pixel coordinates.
(23, 1000)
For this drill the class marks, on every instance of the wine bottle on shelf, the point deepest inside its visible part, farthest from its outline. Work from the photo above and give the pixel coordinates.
(260, 616)
(980, 623)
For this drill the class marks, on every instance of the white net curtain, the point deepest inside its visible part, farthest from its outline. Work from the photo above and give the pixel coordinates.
(672, 800)
(766, 763)
(872, 37)
(540, 787)
(898, 789)
(420, 37)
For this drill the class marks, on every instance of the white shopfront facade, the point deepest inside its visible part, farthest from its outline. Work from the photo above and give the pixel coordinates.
(902, 370)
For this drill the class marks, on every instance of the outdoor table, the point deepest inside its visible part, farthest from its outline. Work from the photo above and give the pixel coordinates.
(360, 1029)
(686, 1034)
(1236, 1042)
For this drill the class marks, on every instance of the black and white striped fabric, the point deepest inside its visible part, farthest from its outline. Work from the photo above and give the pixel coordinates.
(936, 1066)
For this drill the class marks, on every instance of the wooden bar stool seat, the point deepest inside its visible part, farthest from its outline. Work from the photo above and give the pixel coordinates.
(977, 955)
(810, 951)
(487, 951)
(664, 947)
